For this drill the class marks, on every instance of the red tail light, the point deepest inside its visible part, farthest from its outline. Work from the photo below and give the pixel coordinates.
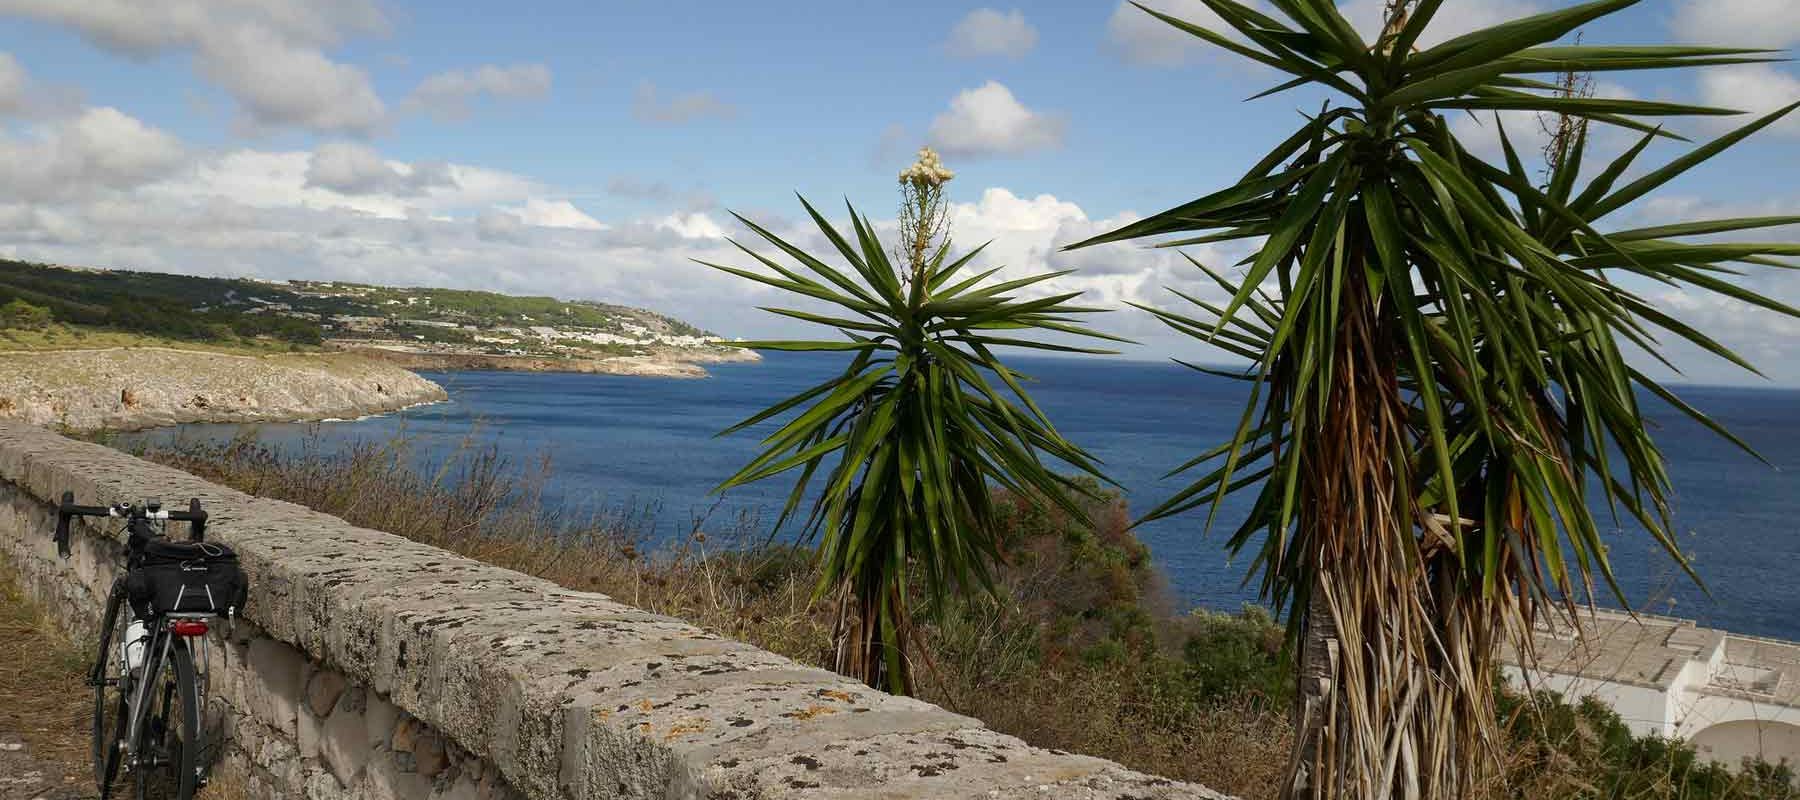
(189, 627)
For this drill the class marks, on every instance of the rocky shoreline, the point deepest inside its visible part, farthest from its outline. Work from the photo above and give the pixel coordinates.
(684, 363)
(136, 388)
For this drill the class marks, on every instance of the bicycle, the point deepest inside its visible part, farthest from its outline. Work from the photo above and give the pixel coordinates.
(149, 692)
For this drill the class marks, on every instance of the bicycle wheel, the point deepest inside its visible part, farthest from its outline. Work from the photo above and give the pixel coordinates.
(112, 690)
(169, 752)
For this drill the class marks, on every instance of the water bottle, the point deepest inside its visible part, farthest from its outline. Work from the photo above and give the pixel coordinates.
(132, 648)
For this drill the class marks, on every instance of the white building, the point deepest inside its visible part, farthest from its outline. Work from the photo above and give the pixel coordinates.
(1728, 695)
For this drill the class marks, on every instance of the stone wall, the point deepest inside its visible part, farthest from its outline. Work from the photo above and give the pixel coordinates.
(372, 666)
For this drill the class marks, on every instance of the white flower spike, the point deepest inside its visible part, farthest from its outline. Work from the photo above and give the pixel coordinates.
(928, 170)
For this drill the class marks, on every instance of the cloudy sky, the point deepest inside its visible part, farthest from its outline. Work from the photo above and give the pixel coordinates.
(590, 150)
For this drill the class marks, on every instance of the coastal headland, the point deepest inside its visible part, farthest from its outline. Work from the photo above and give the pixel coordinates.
(684, 363)
(144, 387)
(94, 349)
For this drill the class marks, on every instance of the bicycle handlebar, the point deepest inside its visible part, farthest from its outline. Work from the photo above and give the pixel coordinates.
(68, 510)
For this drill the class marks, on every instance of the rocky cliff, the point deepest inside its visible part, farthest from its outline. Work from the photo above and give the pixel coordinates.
(132, 388)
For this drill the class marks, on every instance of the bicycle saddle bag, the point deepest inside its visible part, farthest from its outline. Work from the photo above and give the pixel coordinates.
(186, 577)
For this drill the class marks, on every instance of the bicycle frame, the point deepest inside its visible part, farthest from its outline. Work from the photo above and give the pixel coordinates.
(162, 644)
(175, 661)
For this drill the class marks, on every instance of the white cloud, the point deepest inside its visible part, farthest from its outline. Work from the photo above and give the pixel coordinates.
(1736, 23)
(449, 94)
(988, 121)
(281, 84)
(555, 214)
(287, 179)
(692, 226)
(99, 149)
(345, 212)
(353, 168)
(1756, 88)
(642, 190)
(1768, 340)
(500, 226)
(22, 96)
(12, 84)
(146, 27)
(1454, 18)
(987, 32)
(268, 54)
(648, 105)
(1143, 39)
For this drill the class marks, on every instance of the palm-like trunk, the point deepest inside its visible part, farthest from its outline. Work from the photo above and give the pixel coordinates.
(1316, 696)
(1372, 715)
(859, 650)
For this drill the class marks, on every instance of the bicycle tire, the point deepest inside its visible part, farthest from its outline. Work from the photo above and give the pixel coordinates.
(175, 726)
(110, 692)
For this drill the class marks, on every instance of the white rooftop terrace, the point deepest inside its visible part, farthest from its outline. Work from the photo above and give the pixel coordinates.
(1731, 696)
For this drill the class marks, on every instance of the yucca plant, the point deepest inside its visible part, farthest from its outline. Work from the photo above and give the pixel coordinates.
(922, 423)
(1438, 349)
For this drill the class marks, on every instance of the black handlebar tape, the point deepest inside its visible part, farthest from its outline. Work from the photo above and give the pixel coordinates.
(67, 509)
(195, 515)
(62, 524)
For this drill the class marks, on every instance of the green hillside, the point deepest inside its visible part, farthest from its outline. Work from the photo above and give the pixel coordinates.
(300, 313)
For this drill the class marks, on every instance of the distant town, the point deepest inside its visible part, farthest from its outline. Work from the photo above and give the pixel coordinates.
(451, 321)
(343, 315)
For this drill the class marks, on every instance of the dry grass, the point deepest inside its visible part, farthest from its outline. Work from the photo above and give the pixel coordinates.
(43, 697)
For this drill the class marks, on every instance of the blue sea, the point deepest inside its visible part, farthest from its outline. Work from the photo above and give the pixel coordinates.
(618, 442)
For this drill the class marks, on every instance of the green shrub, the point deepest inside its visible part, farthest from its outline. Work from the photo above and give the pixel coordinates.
(1584, 751)
(17, 313)
(1235, 655)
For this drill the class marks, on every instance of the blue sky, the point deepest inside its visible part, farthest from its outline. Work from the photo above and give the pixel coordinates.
(589, 149)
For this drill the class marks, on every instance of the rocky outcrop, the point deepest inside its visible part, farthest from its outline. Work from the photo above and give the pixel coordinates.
(373, 666)
(132, 388)
(668, 363)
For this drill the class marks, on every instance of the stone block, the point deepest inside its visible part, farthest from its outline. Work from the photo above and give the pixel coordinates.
(428, 754)
(405, 732)
(383, 780)
(344, 744)
(322, 785)
(307, 733)
(380, 716)
(463, 788)
(275, 678)
(323, 690)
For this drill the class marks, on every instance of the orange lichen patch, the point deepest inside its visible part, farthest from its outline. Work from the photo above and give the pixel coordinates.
(643, 727)
(685, 727)
(810, 711)
(840, 696)
(645, 705)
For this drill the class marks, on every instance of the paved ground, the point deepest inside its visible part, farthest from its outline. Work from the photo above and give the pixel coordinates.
(24, 776)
